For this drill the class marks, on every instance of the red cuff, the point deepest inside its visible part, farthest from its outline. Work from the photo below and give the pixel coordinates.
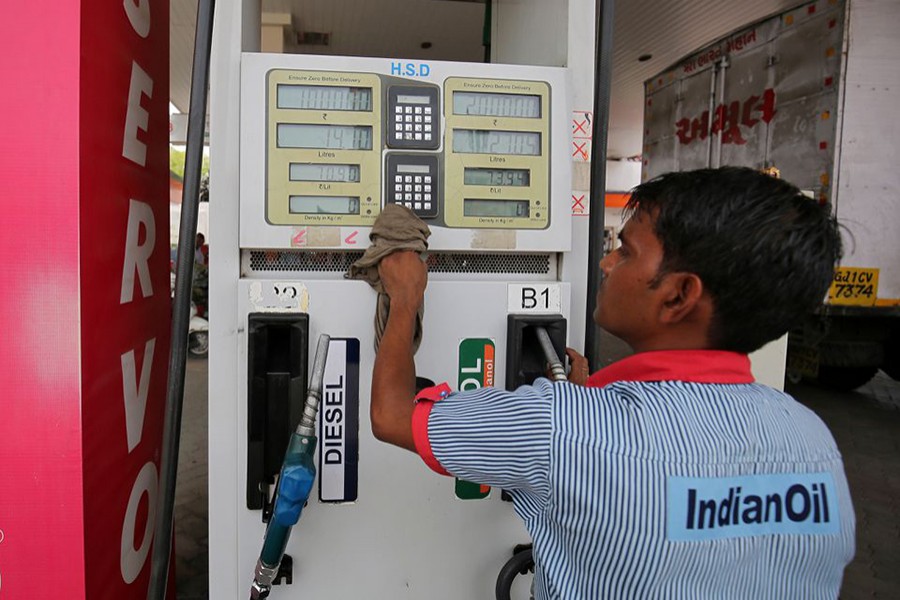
(424, 403)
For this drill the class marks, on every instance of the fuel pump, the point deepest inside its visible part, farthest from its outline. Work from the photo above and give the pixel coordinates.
(480, 152)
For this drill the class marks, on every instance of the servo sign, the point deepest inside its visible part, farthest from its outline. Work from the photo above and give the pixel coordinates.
(339, 423)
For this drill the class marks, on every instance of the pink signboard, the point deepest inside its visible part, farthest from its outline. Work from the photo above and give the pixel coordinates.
(84, 308)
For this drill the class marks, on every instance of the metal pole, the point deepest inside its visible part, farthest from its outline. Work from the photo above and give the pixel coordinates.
(602, 84)
(168, 467)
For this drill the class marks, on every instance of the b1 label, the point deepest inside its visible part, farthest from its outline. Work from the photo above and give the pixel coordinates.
(533, 298)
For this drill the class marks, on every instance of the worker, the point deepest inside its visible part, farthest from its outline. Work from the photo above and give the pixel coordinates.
(671, 473)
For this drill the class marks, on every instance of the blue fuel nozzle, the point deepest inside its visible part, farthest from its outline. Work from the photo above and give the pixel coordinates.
(295, 482)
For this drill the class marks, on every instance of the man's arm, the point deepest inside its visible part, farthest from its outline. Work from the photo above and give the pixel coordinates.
(404, 277)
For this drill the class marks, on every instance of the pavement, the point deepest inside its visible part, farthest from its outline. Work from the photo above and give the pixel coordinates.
(191, 494)
(866, 426)
(865, 423)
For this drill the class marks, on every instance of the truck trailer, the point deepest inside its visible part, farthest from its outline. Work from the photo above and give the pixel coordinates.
(808, 95)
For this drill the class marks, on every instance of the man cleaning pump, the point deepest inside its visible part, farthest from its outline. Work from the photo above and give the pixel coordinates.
(670, 473)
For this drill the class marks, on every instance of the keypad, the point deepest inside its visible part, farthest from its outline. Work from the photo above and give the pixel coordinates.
(414, 191)
(413, 123)
(415, 117)
(412, 182)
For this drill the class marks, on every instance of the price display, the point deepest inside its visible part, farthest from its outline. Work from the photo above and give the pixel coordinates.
(324, 205)
(496, 105)
(517, 177)
(326, 137)
(495, 208)
(324, 97)
(407, 99)
(324, 172)
(480, 141)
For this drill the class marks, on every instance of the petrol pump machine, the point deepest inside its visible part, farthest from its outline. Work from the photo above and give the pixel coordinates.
(481, 153)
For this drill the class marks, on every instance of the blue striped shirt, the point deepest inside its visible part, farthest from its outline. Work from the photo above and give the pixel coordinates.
(658, 489)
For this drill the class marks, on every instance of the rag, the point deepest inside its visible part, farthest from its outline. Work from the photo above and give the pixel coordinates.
(396, 228)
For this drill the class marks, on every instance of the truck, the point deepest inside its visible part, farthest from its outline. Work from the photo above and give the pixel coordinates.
(809, 95)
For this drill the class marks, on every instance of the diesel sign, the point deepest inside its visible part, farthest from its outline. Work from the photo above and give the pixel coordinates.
(339, 423)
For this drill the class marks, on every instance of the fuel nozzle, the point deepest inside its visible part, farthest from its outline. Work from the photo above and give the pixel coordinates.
(534, 341)
(557, 370)
(294, 482)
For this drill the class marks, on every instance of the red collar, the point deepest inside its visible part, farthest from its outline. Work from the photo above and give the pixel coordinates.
(695, 366)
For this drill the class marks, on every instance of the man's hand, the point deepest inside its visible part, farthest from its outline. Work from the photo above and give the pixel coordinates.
(404, 277)
(580, 371)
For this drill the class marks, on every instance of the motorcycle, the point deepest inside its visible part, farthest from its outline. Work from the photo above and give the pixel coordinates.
(198, 334)
(198, 326)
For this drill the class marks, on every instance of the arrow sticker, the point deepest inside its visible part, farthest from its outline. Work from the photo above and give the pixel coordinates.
(299, 237)
(350, 240)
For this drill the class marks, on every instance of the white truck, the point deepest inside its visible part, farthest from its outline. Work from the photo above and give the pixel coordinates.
(811, 95)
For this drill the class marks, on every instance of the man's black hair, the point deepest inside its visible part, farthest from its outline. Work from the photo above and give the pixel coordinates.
(765, 252)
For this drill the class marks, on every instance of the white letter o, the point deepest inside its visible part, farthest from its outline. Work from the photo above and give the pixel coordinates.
(131, 560)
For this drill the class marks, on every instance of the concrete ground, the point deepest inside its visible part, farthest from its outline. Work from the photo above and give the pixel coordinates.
(865, 423)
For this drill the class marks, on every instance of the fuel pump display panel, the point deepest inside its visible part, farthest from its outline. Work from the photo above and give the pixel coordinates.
(497, 154)
(476, 176)
(324, 137)
(323, 148)
(324, 97)
(478, 151)
(486, 104)
(324, 172)
(479, 141)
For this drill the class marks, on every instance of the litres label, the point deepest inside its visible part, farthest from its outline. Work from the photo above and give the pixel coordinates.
(339, 423)
(853, 286)
(476, 370)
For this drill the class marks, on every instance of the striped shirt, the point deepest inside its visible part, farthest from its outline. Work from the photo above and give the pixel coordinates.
(677, 477)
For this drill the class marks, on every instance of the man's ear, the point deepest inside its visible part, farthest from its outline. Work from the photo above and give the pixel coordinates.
(683, 297)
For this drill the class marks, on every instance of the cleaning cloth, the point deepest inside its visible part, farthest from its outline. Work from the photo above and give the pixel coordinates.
(396, 228)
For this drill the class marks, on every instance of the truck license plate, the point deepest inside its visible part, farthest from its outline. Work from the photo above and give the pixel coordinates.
(853, 286)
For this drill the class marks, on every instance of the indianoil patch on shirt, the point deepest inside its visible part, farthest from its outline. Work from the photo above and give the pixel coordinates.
(714, 508)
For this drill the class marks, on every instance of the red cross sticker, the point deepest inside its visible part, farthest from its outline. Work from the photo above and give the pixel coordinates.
(578, 205)
(581, 124)
(582, 150)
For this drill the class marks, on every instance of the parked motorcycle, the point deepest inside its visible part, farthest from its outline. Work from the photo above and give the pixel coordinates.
(198, 326)
(198, 334)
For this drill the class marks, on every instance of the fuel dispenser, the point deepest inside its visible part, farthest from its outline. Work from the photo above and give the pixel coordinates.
(481, 153)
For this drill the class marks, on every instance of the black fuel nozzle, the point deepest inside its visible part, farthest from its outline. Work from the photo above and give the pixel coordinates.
(532, 343)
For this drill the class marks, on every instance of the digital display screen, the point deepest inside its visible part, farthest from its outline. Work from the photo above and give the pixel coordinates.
(324, 97)
(328, 137)
(324, 172)
(517, 177)
(479, 141)
(406, 99)
(324, 205)
(496, 105)
(413, 169)
(495, 208)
